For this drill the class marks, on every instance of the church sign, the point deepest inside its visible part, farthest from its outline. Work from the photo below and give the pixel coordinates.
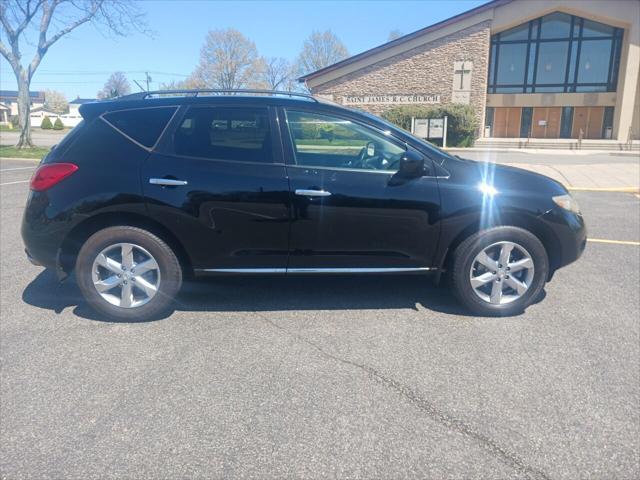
(390, 99)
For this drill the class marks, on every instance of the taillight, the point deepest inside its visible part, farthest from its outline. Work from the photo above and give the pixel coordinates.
(50, 174)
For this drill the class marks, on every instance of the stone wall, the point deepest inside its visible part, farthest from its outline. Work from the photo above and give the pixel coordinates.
(428, 69)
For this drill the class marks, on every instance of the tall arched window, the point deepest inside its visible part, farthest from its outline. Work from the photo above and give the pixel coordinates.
(555, 53)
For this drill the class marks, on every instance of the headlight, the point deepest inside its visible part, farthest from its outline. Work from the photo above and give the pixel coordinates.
(567, 202)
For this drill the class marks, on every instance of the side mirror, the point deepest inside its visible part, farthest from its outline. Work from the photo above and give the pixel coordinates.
(411, 165)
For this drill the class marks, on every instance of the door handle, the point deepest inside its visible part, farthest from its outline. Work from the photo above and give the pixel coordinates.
(167, 182)
(313, 193)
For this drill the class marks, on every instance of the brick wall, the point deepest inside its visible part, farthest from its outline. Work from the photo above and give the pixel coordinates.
(427, 69)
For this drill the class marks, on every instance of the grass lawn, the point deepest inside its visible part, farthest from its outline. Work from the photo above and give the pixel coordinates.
(9, 151)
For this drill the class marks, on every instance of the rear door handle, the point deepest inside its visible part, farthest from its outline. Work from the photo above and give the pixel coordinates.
(312, 193)
(167, 182)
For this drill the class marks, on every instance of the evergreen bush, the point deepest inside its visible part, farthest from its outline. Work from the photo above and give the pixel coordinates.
(46, 123)
(462, 125)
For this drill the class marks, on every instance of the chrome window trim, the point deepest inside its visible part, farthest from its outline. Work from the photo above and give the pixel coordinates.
(148, 149)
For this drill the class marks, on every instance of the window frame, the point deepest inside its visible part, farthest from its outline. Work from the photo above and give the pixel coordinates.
(277, 158)
(571, 73)
(150, 107)
(288, 141)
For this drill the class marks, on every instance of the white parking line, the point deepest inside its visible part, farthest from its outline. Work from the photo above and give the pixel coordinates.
(12, 169)
(13, 183)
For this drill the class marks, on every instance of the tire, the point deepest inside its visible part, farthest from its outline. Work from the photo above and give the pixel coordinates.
(128, 295)
(477, 263)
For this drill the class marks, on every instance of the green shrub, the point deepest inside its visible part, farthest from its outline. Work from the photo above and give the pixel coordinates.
(58, 125)
(46, 123)
(462, 124)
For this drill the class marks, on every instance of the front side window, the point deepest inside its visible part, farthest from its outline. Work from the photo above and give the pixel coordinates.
(143, 125)
(333, 142)
(217, 133)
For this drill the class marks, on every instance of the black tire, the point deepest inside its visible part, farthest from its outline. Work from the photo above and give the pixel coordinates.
(168, 266)
(467, 251)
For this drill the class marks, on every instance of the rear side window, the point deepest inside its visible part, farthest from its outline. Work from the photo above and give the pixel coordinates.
(143, 125)
(236, 134)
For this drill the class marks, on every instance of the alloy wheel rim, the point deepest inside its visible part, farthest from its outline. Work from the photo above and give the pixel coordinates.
(502, 273)
(126, 275)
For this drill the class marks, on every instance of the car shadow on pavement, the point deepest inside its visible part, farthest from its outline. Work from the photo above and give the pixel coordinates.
(269, 293)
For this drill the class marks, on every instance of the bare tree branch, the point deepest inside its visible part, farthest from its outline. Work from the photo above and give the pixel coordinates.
(62, 16)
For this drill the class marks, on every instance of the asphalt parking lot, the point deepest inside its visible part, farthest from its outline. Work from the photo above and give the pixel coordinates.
(376, 377)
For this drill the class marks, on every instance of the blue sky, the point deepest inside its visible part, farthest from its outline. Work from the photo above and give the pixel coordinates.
(79, 64)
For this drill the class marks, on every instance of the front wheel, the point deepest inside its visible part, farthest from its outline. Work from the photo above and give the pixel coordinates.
(500, 271)
(128, 274)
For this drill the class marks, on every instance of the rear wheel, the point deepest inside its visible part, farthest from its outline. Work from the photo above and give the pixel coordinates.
(128, 273)
(500, 271)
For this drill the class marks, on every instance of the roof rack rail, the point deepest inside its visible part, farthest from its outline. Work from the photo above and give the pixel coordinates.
(222, 92)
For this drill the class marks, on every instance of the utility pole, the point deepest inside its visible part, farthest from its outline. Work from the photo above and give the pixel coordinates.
(148, 79)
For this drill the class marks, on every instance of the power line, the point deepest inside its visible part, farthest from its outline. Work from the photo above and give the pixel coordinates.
(69, 72)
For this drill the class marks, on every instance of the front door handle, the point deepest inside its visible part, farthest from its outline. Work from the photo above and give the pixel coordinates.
(167, 182)
(312, 193)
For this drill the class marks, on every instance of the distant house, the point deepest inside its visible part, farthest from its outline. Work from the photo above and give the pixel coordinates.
(38, 114)
(5, 112)
(72, 118)
(9, 108)
(9, 103)
(74, 105)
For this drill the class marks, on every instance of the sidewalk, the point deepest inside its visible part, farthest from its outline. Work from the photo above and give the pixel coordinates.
(599, 176)
(575, 170)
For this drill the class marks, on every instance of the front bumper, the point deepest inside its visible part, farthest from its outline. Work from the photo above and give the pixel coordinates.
(569, 235)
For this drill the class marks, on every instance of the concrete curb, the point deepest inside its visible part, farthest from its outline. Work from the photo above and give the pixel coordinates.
(21, 159)
(549, 151)
(606, 189)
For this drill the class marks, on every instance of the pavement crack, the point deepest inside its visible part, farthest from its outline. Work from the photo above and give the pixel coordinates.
(422, 404)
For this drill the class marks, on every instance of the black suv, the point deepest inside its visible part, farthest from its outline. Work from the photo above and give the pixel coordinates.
(153, 187)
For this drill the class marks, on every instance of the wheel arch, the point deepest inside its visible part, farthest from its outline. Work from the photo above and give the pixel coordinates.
(532, 224)
(74, 240)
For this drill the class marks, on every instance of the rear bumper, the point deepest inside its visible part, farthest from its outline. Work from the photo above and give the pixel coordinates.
(31, 259)
(42, 235)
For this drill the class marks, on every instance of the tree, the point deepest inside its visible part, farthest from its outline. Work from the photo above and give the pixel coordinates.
(58, 125)
(188, 83)
(20, 17)
(116, 86)
(320, 50)
(393, 34)
(228, 60)
(274, 73)
(56, 102)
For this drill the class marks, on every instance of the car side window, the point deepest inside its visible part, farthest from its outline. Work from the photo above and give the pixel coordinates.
(218, 133)
(333, 142)
(142, 125)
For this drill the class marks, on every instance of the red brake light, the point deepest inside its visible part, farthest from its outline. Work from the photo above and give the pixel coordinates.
(49, 174)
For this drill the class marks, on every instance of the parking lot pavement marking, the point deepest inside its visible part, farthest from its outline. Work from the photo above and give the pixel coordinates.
(13, 183)
(615, 242)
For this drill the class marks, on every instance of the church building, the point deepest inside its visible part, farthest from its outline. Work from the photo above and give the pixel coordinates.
(551, 69)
